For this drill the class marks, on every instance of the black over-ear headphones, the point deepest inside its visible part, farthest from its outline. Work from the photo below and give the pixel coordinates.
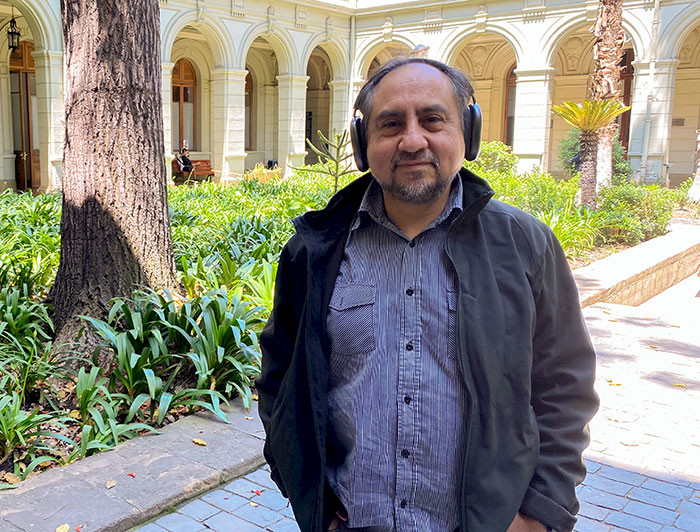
(471, 127)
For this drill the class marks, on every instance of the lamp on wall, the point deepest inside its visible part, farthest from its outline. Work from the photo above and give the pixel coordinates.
(13, 33)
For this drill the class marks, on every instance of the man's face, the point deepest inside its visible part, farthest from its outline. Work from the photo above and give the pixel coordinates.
(415, 142)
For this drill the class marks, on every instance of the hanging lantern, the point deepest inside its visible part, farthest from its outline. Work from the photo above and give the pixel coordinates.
(13, 34)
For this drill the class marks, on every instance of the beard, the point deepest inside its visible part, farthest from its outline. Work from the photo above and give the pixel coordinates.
(418, 187)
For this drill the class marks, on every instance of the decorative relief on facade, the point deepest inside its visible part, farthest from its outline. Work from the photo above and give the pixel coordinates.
(480, 18)
(238, 8)
(690, 51)
(572, 51)
(329, 29)
(201, 11)
(299, 17)
(433, 20)
(270, 19)
(476, 57)
(388, 29)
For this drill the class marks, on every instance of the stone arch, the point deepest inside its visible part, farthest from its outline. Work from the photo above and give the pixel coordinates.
(685, 108)
(372, 48)
(281, 43)
(456, 42)
(487, 58)
(200, 56)
(676, 31)
(223, 49)
(43, 22)
(335, 50)
(318, 99)
(556, 33)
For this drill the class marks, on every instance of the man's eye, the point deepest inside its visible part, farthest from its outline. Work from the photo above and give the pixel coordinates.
(390, 124)
(433, 118)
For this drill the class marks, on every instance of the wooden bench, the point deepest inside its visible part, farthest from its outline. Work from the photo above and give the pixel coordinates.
(202, 171)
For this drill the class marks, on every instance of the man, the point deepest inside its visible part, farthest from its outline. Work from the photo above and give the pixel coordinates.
(426, 366)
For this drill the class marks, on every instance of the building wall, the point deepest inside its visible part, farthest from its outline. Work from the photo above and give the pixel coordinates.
(224, 38)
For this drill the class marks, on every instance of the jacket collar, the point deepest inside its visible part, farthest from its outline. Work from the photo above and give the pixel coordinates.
(334, 220)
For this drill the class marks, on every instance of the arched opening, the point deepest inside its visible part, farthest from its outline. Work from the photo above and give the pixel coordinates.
(686, 110)
(385, 54)
(25, 117)
(509, 106)
(262, 107)
(573, 66)
(185, 124)
(489, 62)
(318, 100)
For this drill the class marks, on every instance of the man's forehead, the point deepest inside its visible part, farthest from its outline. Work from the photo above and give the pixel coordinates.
(416, 77)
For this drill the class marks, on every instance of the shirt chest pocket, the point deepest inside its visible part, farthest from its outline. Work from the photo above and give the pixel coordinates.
(351, 319)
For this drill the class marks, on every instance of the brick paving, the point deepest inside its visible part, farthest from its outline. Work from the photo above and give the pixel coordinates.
(644, 459)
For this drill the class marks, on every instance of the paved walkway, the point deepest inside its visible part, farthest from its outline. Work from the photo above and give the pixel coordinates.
(644, 457)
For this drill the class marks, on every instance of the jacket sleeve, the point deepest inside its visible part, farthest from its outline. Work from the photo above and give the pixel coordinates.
(277, 342)
(563, 395)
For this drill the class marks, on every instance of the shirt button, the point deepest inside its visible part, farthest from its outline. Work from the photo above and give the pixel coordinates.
(407, 399)
(409, 347)
(405, 453)
(409, 292)
(403, 503)
(412, 243)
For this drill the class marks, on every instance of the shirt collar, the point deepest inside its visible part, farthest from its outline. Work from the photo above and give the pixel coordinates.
(372, 206)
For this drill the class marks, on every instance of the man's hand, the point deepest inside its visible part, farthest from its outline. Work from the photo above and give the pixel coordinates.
(523, 523)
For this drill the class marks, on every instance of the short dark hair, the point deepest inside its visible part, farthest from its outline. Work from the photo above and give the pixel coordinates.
(463, 90)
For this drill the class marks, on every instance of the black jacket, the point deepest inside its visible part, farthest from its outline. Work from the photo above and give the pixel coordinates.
(526, 357)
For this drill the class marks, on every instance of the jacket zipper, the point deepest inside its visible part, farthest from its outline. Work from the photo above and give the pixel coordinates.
(473, 209)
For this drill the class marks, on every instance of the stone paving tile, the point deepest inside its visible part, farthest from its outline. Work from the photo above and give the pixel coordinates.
(225, 522)
(630, 522)
(224, 500)
(651, 513)
(199, 510)
(151, 527)
(180, 523)
(686, 522)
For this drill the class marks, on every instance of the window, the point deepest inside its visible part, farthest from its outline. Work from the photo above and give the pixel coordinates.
(509, 125)
(184, 106)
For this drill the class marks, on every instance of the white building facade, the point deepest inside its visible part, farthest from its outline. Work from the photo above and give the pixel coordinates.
(248, 81)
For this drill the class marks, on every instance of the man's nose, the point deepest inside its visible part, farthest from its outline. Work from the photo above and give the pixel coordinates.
(413, 138)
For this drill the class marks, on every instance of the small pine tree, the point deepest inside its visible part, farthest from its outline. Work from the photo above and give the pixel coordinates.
(333, 156)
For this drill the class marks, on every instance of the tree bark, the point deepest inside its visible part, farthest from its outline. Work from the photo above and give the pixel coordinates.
(589, 159)
(115, 231)
(694, 191)
(607, 53)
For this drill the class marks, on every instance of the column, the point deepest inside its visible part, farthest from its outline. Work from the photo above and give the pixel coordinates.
(51, 115)
(228, 143)
(340, 110)
(7, 156)
(167, 94)
(292, 122)
(650, 123)
(533, 95)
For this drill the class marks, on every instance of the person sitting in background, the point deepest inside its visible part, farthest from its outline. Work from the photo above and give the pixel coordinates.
(183, 159)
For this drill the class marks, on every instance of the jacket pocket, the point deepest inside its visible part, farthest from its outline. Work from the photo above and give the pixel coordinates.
(351, 319)
(452, 347)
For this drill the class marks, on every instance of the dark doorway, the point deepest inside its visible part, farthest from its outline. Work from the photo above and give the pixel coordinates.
(25, 130)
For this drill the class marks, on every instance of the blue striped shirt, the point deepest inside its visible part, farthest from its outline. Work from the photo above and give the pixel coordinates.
(397, 400)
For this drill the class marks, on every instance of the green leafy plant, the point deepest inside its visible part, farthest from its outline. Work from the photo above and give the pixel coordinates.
(334, 156)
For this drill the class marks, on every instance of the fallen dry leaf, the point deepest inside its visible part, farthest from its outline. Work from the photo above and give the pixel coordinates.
(249, 418)
(257, 492)
(653, 346)
(254, 397)
(11, 478)
(79, 528)
(74, 414)
(676, 326)
(612, 320)
(132, 475)
(110, 484)
(63, 528)
(254, 504)
(679, 385)
(199, 442)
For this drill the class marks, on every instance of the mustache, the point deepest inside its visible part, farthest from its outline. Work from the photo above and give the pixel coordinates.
(425, 156)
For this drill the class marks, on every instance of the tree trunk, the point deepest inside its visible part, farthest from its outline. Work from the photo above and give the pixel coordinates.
(607, 53)
(115, 232)
(589, 159)
(694, 191)
(605, 167)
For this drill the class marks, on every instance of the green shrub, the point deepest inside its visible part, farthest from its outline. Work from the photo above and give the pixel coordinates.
(635, 213)
(577, 229)
(569, 146)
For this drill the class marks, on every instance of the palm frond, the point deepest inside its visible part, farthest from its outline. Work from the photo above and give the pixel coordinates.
(590, 115)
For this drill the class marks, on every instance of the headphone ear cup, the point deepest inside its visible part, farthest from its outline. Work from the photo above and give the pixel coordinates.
(359, 144)
(472, 131)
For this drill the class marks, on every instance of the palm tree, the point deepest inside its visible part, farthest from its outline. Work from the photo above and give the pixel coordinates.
(589, 117)
(607, 52)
